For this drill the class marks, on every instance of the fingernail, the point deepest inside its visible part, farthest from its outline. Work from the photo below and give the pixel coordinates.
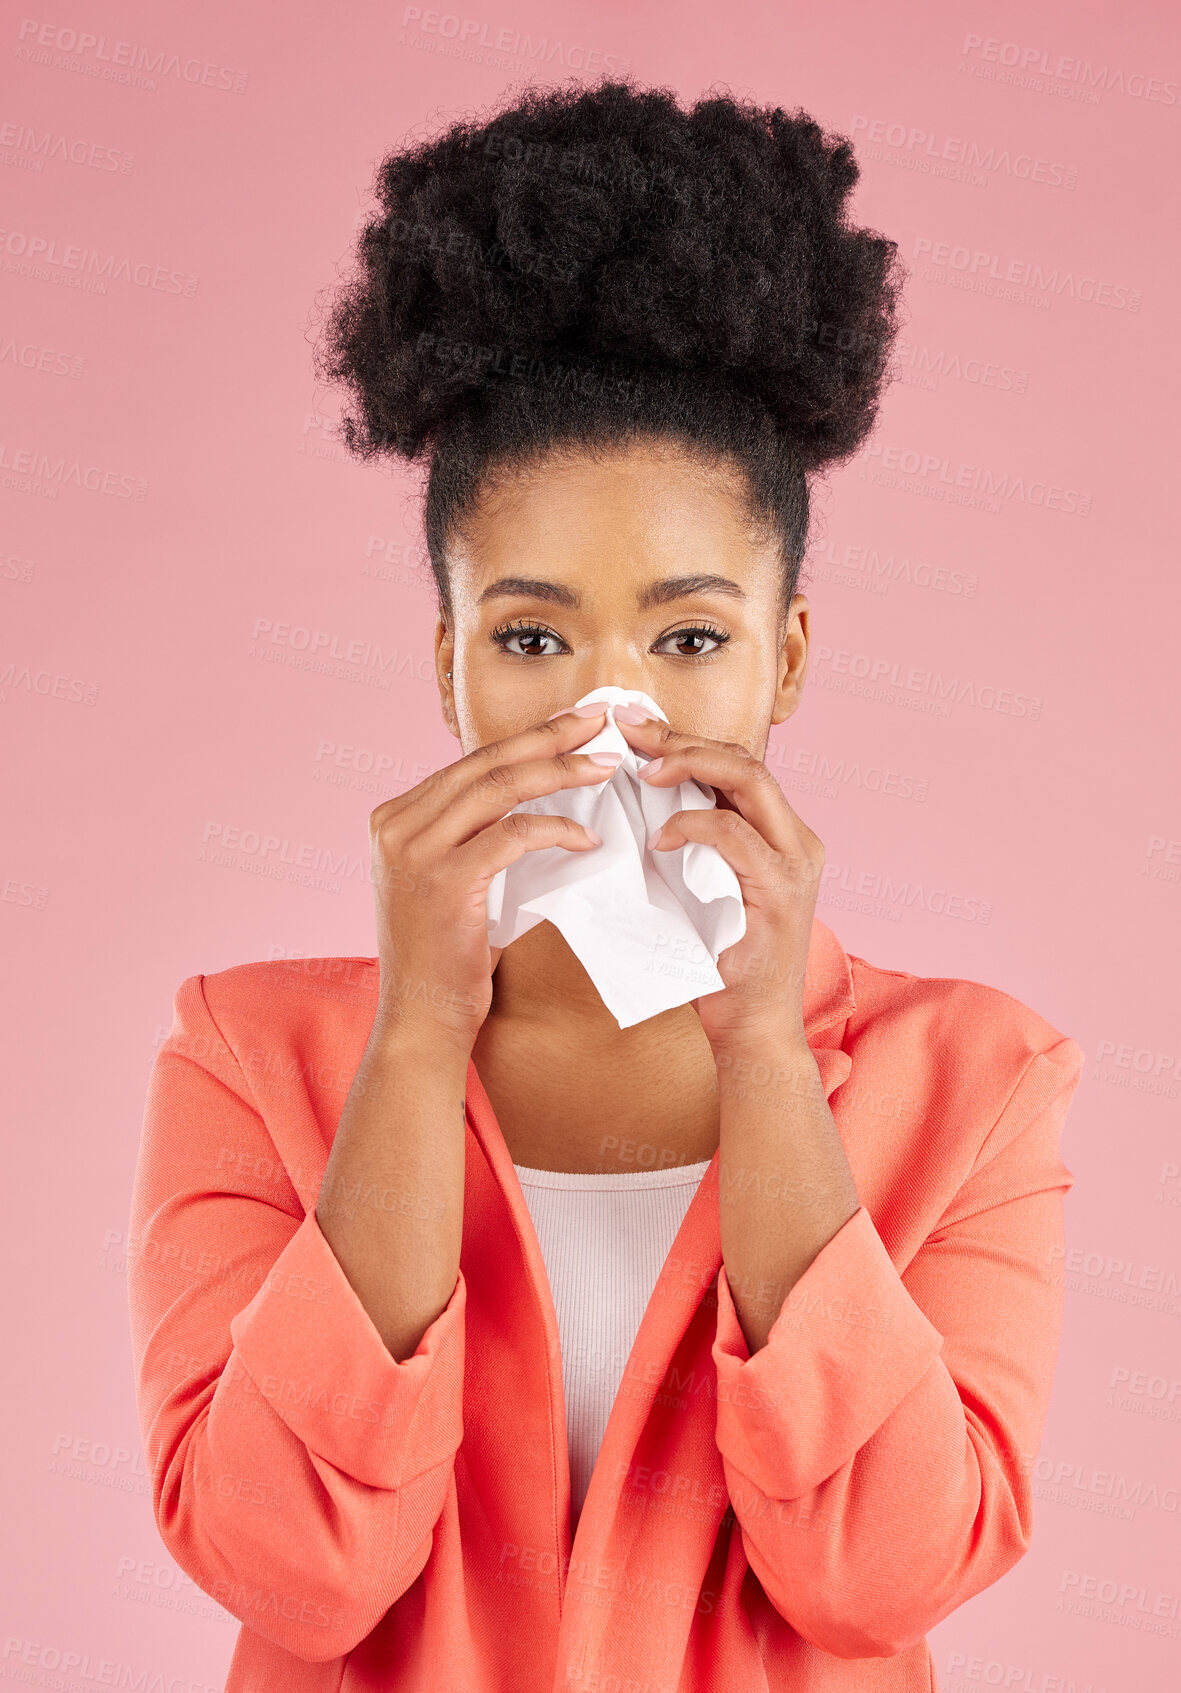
(595, 836)
(652, 766)
(655, 835)
(633, 714)
(592, 709)
(605, 757)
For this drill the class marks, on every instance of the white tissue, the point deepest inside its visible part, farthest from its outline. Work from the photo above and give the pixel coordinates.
(647, 926)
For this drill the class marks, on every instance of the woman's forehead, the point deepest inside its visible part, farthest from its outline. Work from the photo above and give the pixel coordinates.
(643, 518)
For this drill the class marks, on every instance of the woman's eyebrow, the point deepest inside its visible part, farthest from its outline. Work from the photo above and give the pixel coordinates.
(655, 593)
(679, 587)
(530, 588)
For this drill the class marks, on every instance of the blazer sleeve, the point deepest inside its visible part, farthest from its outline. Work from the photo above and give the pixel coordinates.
(298, 1469)
(878, 1448)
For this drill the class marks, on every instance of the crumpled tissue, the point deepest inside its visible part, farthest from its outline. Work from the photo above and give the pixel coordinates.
(646, 926)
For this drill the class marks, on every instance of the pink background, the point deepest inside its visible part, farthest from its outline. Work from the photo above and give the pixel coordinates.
(171, 486)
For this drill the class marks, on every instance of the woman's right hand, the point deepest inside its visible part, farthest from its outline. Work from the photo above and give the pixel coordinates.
(435, 850)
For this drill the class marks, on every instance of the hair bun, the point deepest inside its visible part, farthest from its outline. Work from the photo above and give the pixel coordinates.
(605, 231)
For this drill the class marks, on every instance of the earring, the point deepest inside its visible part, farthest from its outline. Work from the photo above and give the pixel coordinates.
(448, 673)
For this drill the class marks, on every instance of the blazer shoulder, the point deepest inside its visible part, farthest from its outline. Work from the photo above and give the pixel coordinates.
(956, 1015)
(961, 1069)
(285, 993)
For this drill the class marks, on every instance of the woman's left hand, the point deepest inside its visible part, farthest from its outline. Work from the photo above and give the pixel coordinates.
(778, 862)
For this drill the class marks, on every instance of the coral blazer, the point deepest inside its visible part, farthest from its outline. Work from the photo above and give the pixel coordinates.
(793, 1520)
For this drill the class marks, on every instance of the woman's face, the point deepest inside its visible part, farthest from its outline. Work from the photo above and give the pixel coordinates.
(637, 568)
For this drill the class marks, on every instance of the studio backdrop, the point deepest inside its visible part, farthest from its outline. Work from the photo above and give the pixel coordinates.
(216, 659)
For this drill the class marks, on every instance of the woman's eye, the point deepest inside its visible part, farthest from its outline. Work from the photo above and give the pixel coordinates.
(697, 633)
(529, 633)
(528, 640)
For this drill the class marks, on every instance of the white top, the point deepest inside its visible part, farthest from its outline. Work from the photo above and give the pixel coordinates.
(604, 1239)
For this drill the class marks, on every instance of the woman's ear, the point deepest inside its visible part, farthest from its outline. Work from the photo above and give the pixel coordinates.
(444, 659)
(793, 659)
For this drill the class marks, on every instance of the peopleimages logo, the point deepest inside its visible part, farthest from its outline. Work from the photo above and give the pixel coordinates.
(39, 255)
(64, 472)
(331, 654)
(49, 685)
(476, 38)
(876, 893)
(936, 474)
(880, 569)
(1027, 65)
(33, 147)
(46, 360)
(927, 149)
(929, 364)
(834, 664)
(118, 61)
(984, 269)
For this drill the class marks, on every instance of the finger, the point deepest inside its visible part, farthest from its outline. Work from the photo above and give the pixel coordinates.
(556, 734)
(747, 784)
(493, 793)
(451, 795)
(759, 867)
(740, 844)
(477, 861)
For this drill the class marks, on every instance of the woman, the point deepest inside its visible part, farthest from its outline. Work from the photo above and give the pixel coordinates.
(406, 1229)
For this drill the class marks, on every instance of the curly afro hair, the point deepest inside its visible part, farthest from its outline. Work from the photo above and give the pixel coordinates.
(595, 264)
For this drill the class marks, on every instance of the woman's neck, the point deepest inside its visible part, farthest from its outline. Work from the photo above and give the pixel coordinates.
(572, 1090)
(542, 997)
(541, 981)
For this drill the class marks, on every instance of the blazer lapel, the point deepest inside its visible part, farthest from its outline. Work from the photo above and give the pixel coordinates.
(636, 1538)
